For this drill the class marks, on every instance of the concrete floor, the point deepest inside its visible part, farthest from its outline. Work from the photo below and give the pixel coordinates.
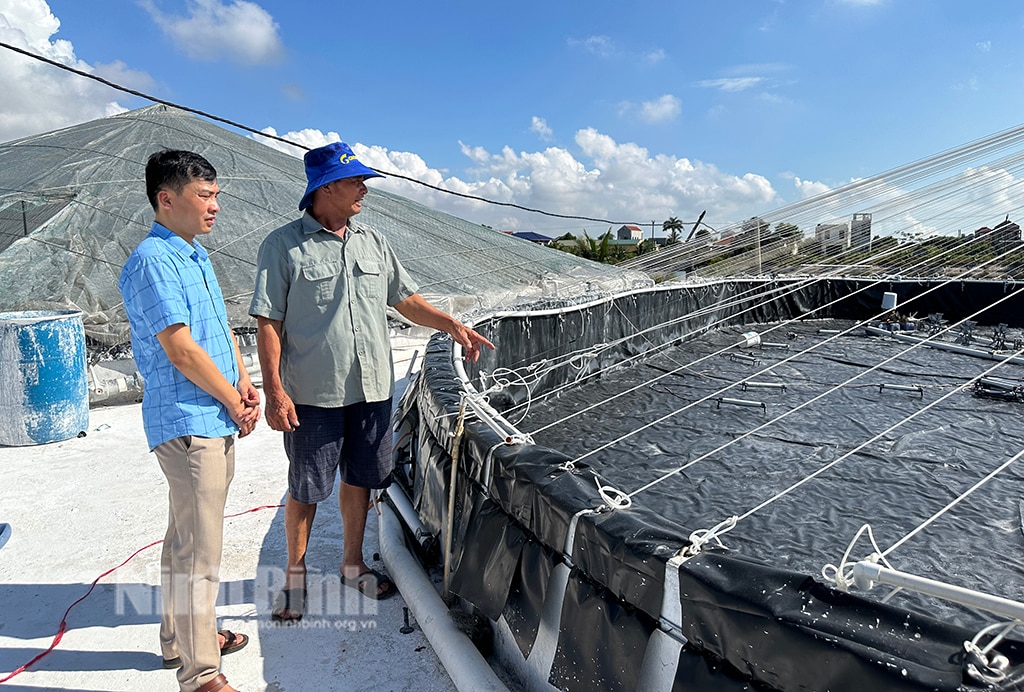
(94, 508)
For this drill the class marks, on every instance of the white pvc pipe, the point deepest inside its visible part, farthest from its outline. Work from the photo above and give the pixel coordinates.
(865, 574)
(945, 346)
(408, 514)
(465, 664)
(764, 385)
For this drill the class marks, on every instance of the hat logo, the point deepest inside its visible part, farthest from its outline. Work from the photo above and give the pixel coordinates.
(346, 158)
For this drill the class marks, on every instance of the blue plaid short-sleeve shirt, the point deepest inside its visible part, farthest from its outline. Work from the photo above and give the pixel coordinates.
(167, 281)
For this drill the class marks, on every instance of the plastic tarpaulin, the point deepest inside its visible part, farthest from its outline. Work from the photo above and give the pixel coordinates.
(73, 206)
(589, 592)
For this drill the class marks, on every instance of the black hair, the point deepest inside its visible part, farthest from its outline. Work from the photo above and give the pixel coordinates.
(174, 169)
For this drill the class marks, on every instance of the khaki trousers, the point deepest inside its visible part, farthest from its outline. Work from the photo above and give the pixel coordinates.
(199, 471)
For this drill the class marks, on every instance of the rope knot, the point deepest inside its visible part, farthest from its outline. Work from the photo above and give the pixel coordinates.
(613, 497)
(701, 537)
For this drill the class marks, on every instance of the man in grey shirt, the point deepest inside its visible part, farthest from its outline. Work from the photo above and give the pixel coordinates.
(323, 285)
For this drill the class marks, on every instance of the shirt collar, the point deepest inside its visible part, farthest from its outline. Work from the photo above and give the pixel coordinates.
(311, 225)
(177, 242)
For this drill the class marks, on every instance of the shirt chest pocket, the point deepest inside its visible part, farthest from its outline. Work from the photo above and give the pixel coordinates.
(368, 279)
(322, 280)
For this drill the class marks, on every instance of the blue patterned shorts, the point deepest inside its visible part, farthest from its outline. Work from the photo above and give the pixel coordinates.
(355, 439)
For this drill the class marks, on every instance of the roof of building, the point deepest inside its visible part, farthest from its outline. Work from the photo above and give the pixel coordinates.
(532, 236)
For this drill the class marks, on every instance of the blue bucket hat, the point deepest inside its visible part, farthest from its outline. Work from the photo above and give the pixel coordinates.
(329, 163)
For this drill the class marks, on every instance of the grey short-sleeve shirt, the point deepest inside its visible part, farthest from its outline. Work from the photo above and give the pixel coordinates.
(331, 295)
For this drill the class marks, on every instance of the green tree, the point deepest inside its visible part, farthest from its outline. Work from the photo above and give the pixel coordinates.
(786, 229)
(672, 228)
(586, 247)
(646, 246)
(599, 250)
(605, 248)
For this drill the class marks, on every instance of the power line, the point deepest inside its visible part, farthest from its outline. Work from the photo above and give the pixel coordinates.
(246, 128)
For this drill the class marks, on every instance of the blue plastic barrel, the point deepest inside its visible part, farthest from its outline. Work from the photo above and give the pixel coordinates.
(44, 395)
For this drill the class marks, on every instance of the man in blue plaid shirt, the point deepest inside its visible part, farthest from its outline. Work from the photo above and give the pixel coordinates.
(197, 395)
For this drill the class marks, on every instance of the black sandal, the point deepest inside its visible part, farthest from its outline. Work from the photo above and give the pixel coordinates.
(372, 584)
(290, 600)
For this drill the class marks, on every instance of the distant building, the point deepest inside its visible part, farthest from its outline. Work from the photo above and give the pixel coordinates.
(629, 233)
(1006, 231)
(832, 237)
(860, 232)
(532, 237)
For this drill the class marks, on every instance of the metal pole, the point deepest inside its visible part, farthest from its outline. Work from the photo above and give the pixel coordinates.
(866, 574)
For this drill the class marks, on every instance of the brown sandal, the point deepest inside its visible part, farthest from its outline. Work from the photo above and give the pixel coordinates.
(218, 683)
(232, 643)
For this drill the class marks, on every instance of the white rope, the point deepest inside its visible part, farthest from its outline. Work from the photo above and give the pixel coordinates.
(983, 663)
(734, 300)
(785, 414)
(815, 474)
(857, 195)
(842, 574)
(567, 467)
(527, 376)
(767, 369)
(482, 410)
(1007, 627)
(613, 497)
(876, 437)
(964, 495)
(701, 537)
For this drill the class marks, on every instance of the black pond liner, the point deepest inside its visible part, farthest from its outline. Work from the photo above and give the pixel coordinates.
(601, 599)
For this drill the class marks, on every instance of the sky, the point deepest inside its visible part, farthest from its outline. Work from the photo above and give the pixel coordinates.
(622, 112)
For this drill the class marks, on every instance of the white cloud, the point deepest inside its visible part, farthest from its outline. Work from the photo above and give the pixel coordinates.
(989, 192)
(731, 83)
(595, 177)
(809, 188)
(984, 46)
(661, 109)
(606, 47)
(759, 68)
(605, 179)
(985, 194)
(38, 97)
(655, 56)
(970, 84)
(540, 126)
(239, 31)
(598, 45)
(303, 140)
(119, 73)
(664, 108)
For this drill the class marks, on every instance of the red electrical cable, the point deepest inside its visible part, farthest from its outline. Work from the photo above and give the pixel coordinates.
(64, 620)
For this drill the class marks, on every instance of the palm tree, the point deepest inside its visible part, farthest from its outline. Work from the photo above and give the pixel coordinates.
(604, 249)
(672, 227)
(585, 246)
